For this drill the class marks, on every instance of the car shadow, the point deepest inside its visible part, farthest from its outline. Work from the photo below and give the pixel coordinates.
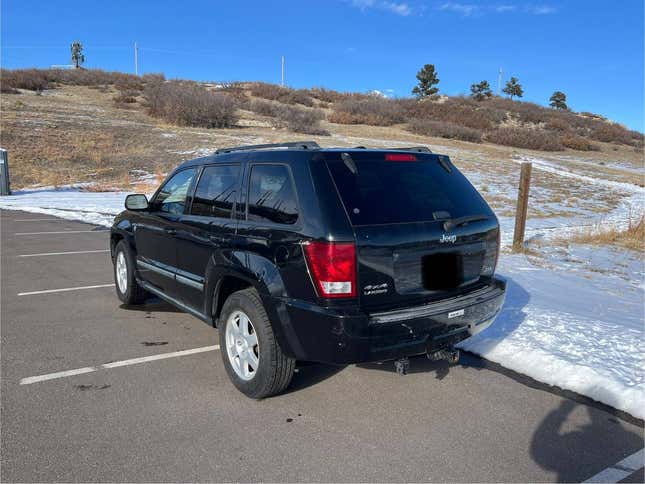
(152, 304)
(600, 442)
(309, 374)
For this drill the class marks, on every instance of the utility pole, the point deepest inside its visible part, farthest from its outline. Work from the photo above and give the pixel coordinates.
(499, 82)
(282, 83)
(136, 58)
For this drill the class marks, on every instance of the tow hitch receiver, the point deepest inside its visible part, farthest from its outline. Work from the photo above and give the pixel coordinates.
(402, 365)
(449, 354)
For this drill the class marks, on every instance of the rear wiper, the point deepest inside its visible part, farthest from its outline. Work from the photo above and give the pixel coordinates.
(448, 225)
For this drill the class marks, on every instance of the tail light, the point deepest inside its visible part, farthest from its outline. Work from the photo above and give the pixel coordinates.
(333, 268)
(492, 253)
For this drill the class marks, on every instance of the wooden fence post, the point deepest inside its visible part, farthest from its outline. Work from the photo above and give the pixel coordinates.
(522, 206)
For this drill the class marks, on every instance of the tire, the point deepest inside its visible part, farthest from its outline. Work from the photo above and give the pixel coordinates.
(274, 369)
(127, 288)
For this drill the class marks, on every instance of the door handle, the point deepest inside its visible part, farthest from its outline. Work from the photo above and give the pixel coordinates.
(170, 231)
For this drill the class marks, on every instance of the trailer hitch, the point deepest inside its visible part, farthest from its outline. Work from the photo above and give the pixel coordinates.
(402, 365)
(449, 354)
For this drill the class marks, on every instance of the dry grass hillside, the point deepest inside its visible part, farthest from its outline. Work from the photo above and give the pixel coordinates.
(88, 125)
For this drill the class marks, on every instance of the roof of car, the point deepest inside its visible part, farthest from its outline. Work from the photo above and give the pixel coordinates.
(233, 153)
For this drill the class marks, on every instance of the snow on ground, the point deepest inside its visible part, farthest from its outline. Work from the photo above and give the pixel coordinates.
(578, 329)
(575, 322)
(69, 203)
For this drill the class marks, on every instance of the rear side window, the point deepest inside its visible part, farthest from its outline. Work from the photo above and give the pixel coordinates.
(215, 193)
(171, 198)
(384, 192)
(272, 196)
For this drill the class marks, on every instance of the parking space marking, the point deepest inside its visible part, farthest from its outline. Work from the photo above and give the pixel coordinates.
(43, 254)
(41, 220)
(64, 232)
(620, 470)
(65, 289)
(115, 364)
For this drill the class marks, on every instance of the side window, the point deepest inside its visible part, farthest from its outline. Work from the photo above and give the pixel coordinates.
(215, 192)
(171, 198)
(271, 195)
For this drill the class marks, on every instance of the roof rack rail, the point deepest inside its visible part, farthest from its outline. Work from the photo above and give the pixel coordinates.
(418, 149)
(297, 145)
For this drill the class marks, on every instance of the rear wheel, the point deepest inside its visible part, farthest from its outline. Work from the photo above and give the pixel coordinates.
(252, 356)
(127, 288)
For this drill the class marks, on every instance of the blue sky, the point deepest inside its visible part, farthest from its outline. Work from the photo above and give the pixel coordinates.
(592, 50)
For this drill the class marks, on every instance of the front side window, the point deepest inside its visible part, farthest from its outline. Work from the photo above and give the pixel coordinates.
(171, 198)
(272, 196)
(215, 193)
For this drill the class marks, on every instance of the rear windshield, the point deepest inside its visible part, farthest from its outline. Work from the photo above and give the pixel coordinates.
(384, 192)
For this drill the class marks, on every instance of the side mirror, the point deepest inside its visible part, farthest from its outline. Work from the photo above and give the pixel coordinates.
(136, 202)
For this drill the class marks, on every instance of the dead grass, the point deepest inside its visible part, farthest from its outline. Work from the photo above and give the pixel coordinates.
(633, 237)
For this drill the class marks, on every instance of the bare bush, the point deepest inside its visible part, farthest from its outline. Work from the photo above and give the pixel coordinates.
(326, 95)
(188, 104)
(459, 110)
(370, 110)
(440, 129)
(578, 143)
(532, 139)
(30, 79)
(608, 132)
(264, 108)
(300, 120)
(285, 95)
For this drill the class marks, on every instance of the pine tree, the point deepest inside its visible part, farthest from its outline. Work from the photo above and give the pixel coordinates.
(480, 91)
(513, 88)
(558, 100)
(77, 54)
(428, 79)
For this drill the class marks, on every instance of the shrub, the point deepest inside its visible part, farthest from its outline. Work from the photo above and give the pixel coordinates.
(444, 130)
(525, 138)
(326, 95)
(285, 95)
(189, 104)
(608, 132)
(30, 79)
(264, 108)
(125, 97)
(578, 143)
(459, 110)
(370, 110)
(301, 120)
(556, 124)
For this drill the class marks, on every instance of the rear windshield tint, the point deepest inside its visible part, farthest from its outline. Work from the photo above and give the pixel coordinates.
(384, 192)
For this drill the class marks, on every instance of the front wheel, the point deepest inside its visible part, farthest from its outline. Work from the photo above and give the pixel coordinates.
(252, 357)
(127, 287)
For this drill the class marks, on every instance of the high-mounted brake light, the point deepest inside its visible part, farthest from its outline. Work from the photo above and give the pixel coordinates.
(333, 268)
(400, 157)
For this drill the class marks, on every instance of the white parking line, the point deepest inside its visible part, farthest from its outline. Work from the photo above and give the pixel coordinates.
(64, 232)
(115, 364)
(65, 289)
(42, 254)
(622, 469)
(41, 220)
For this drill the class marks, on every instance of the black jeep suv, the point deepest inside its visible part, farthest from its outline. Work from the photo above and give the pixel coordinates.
(295, 252)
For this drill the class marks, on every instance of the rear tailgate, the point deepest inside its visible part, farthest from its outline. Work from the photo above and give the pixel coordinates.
(408, 250)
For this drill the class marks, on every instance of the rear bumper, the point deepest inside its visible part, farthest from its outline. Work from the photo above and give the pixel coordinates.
(344, 336)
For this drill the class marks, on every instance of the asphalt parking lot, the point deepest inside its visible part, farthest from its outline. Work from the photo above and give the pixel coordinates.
(177, 418)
